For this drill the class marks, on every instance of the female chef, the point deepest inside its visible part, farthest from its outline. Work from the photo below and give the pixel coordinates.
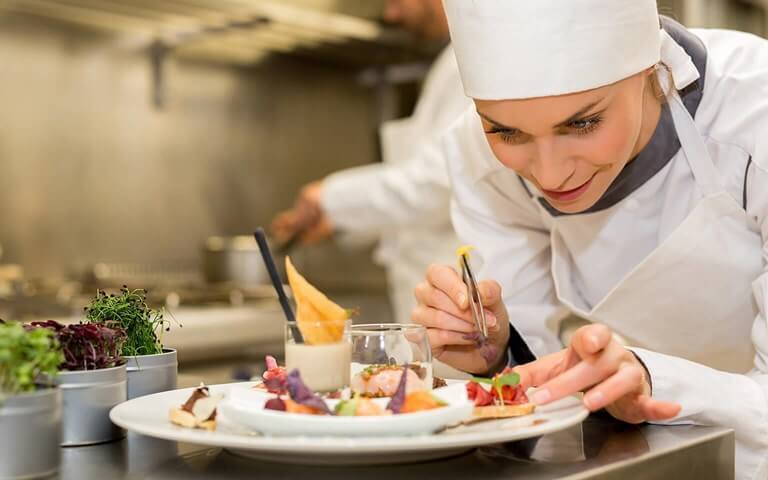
(614, 163)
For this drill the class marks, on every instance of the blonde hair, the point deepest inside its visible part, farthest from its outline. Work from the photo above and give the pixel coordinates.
(656, 86)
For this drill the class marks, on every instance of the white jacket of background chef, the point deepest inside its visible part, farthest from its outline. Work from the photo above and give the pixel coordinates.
(672, 257)
(406, 199)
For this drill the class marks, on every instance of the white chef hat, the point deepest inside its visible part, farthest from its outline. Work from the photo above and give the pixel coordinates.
(514, 49)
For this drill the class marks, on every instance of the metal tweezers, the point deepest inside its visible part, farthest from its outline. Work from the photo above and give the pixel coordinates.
(473, 294)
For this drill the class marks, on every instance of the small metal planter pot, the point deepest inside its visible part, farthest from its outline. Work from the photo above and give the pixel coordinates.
(30, 432)
(151, 373)
(88, 397)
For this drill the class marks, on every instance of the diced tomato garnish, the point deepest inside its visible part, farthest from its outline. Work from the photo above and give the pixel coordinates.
(480, 395)
(511, 395)
(472, 390)
(274, 377)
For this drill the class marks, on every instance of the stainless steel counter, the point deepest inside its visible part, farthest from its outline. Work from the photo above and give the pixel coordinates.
(599, 449)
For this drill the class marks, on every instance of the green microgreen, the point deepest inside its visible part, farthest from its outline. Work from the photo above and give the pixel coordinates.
(143, 325)
(28, 358)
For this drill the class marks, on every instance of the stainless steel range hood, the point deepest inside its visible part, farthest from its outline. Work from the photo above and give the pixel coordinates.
(239, 31)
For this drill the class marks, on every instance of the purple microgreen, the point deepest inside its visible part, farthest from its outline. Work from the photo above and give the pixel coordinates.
(398, 399)
(87, 346)
(302, 394)
(488, 351)
(472, 337)
(276, 403)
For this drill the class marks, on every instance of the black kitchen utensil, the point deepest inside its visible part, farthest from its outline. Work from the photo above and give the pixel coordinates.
(269, 262)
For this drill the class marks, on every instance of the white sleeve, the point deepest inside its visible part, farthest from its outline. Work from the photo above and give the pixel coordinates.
(714, 397)
(736, 90)
(494, 213)
(377, 197)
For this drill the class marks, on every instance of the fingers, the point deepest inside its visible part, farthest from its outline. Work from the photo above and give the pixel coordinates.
(581, 376)
(439, 339)
(590, 340)
(283, 224)
(490, 296)
(625, 381)
(439, 300)
(434, 318)
(643, 408)
(444, 309)
(463, 357)
(654, 410)
(321, 230)
(595, 360)
(539, 371)
(490, 292)
(447, 280)
(430, 296)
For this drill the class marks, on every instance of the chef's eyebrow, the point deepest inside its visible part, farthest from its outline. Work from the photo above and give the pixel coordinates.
(576, 116)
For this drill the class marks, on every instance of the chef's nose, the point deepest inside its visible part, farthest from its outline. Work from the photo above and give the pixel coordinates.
(550, 166)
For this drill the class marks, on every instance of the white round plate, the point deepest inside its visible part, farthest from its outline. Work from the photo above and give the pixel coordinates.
(149, 416)
(245, 406)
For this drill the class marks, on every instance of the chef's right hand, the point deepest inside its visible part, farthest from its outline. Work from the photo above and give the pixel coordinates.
(306, 216)
(443, 308)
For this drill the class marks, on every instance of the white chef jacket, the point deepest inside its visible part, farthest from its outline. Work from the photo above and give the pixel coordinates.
(406, 199)
(495, 211)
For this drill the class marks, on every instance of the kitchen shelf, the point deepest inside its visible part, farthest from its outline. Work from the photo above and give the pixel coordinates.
(243, 32)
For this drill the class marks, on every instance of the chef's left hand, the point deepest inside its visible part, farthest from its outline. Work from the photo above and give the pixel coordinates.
(306, 216)
(609, 374)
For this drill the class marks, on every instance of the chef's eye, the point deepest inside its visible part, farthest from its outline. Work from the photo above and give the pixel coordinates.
(585, 125)
(507, 135)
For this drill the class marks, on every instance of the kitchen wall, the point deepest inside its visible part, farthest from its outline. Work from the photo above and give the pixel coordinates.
(746, 15)
(90, 171)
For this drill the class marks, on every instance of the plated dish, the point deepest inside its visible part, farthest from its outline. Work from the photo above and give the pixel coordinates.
(149, 416)
(387, 408)
(284, 405)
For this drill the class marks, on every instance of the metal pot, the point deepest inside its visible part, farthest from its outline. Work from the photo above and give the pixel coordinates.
(88, 397)
(149, 374)
(237, 261)
(30, 432)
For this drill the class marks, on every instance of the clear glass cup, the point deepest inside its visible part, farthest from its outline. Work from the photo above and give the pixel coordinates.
(323, 358)
(389, 344)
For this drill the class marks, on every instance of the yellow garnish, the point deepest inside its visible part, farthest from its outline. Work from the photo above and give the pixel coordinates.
(463, 252)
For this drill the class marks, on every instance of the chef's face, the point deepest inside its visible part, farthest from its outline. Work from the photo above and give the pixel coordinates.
(572, 147)
(425, 18)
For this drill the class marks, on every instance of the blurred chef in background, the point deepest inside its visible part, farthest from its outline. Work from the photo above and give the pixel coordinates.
(405, 199)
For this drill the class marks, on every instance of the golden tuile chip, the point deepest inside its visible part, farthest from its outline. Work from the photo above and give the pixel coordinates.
(320, 320)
